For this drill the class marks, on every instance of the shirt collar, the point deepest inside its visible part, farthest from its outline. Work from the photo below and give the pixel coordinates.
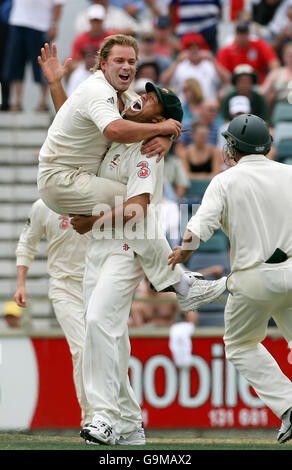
(252, 158)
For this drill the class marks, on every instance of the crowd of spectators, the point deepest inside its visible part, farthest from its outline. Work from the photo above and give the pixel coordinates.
(217, 77)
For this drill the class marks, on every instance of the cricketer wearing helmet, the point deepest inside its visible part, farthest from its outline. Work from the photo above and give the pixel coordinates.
(252, 203)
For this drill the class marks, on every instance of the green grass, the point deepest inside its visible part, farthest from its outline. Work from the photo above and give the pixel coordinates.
(62, 441)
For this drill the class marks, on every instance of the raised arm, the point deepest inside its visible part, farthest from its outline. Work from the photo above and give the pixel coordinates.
(54, 71)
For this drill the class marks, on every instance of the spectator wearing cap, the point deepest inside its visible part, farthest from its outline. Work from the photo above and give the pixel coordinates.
(94, 37)
(244, 81)
(200, 16)
(237, 104)
(246, 49)
(117, 20)
(196, 61)
(12, 314)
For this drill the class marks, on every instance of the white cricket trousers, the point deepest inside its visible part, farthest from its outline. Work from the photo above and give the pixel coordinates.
(67, 299)
(111, 277)
(257, 295)
(76, 191)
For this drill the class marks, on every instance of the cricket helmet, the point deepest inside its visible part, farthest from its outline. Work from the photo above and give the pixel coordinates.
(249, 134)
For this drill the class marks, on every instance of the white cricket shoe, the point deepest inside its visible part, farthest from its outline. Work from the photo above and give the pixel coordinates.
(285, 432)
(98, 432)
(135, 438)
(193, 275)
(201, 292)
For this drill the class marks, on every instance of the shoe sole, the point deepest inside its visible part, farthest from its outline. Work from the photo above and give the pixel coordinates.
(286, 437)
(84, 433)
(192, 305)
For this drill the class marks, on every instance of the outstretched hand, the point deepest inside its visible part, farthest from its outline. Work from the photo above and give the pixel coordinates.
(178, 256)
(52, 68)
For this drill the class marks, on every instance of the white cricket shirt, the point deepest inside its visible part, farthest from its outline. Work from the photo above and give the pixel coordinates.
(65, 248)
(252, 202)
(75, 139)
(126, 164)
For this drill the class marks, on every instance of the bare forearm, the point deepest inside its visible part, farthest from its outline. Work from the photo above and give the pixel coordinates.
(21, 275)
(56, 13)
(120, 215)
(58, 94)
(223, 73)
(124, 131)
(135, 208)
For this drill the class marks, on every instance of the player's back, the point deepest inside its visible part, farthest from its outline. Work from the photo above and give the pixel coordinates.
(257, 216)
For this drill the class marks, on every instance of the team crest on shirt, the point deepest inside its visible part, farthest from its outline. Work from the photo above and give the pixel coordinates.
(64, 222)
(110, 100)
(252, 54)
(115, 161)
(144, 170)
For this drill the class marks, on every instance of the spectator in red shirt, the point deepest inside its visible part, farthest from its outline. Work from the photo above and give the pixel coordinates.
(246, 49)
(96, 34)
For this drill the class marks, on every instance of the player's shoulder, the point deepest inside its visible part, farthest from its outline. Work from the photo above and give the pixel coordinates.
(39, 211)
(96, 86)
(39, 205)
(98, 77)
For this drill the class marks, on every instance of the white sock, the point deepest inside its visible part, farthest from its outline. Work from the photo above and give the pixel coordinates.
(182, 287)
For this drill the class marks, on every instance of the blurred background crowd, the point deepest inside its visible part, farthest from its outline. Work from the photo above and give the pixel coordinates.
(218, 74)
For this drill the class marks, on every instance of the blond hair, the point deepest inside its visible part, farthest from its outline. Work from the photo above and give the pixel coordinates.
(110, 42)
(196, 89)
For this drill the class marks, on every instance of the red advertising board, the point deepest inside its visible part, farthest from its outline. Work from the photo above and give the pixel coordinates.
(209, 394)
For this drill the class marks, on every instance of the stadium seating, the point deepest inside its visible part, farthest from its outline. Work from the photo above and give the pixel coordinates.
(287, 161)
(282, 113)
(21, 136)
(196, 190)
(282, 131)
(284, 150)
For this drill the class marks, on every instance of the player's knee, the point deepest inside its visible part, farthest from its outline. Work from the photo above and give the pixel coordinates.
(232, 353)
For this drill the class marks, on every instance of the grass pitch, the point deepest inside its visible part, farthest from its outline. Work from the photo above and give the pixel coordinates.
(165, 441)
